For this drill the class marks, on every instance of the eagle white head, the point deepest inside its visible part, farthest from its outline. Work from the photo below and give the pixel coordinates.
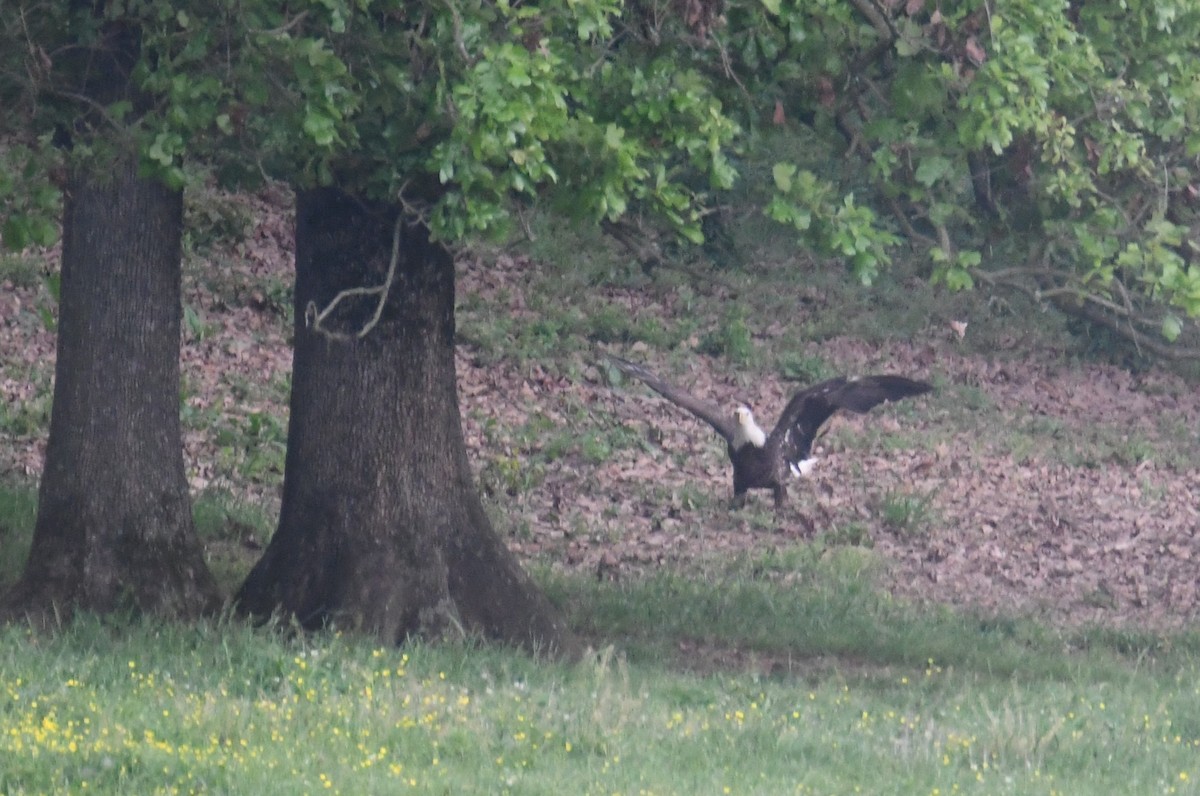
(747, 430)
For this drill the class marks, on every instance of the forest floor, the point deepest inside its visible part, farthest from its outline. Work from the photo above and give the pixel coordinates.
(1041, 479)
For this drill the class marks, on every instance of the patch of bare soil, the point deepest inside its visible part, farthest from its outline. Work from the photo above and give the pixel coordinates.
(1033, 485)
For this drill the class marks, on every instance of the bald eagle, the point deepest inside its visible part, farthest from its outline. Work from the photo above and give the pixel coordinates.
(764, 461)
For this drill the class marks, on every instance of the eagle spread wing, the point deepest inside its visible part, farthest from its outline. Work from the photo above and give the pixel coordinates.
(705, 411)
(808, 410)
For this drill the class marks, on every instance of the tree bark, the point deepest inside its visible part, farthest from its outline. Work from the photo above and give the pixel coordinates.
(381, 527)
(114, 528)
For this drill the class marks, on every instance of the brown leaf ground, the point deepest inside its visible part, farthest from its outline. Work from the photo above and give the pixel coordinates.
(1049, 498)
(1034, 482)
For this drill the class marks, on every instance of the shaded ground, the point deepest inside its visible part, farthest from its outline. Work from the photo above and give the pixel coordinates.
(1066, 491)
(1031, 483)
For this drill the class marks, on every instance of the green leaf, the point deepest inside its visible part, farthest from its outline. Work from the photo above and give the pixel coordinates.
(319, 127)
(772, 6)
(120, 110)
(933, 169)
(518, 76)
(782, 173)
(960, 279)
(693, 233)
(164, 148)
(1172, 327)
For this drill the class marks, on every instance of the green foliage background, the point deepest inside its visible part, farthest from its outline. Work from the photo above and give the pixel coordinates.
(1028, 145)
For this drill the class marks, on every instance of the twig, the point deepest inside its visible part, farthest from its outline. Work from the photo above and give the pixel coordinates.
(98, 107)
(457, 25)
(314, 319)
(1126, 330)
(878, 19)
(286, 27)
(727, 65)
(650, 257)
(1072, 300)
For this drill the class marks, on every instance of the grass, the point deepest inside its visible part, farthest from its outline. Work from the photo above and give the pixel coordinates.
(28, 416)
(967, 707)
(785, 671)
(252, 447)
(819, 603)
(781, 671)
(18, 511)
(906, 513)
(233, 533)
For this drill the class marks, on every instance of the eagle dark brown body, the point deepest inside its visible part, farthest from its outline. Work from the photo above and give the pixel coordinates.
(762, 461)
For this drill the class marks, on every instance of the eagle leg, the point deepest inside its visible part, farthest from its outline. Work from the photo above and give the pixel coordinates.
(780, 492)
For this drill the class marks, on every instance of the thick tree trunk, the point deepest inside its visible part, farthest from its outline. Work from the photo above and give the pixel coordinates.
(381, 526)
(114, 527)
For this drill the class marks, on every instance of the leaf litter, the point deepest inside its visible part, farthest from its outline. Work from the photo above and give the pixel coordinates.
(1029, 484)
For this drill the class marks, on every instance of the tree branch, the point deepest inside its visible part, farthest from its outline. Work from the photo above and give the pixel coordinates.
(315, 319)
(1123, 319)
(1125, 329)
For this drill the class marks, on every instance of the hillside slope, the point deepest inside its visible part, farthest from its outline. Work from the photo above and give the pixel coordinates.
(1037, 480)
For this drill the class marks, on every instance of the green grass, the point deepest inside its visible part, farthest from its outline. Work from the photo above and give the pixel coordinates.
(784, 671)
(233, 533)
(31, 416)
(907, 513)
(802, 628)
(18, 511)
(251, 447)
(933, 706)
(819, 602)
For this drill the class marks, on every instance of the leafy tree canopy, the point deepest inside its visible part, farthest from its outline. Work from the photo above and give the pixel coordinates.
(489, 102)
(1047, 147)
(1043, 147)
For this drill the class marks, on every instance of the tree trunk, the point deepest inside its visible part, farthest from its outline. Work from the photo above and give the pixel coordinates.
(381, 527)
(114, 527)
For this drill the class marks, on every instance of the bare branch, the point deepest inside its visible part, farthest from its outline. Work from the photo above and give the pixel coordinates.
(878, 19)
(1122, 318)
(459, 41)
(98, 107)
(315, 319)
(1123, 328)
(285, 28)
(727, 66)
